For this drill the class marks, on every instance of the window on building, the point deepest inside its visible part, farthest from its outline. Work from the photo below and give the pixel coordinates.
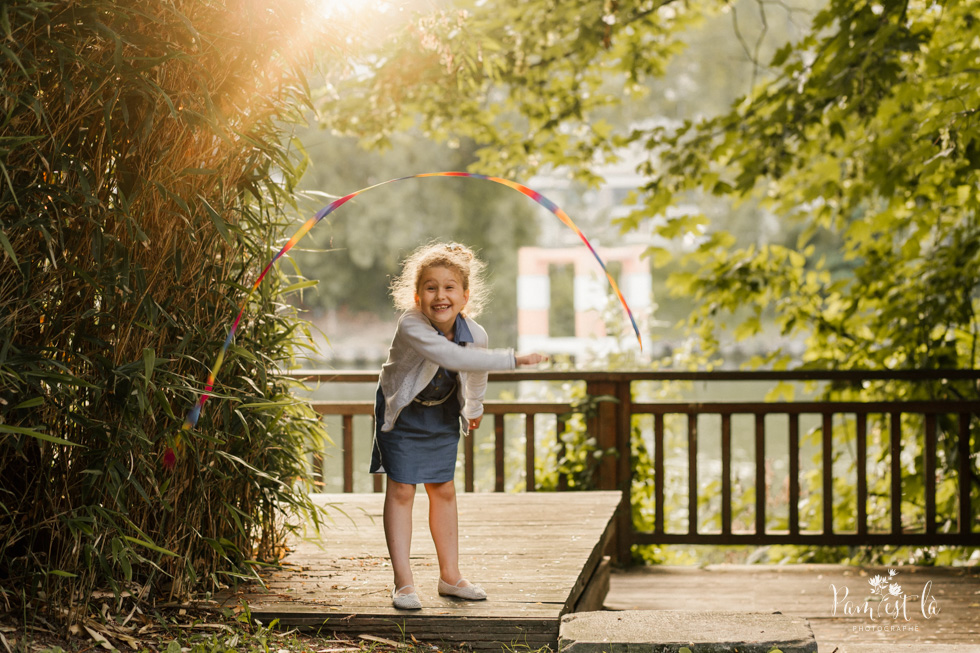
(561, 309)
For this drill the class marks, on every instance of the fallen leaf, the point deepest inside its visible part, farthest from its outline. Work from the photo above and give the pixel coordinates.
(102, 641)
(382, 640)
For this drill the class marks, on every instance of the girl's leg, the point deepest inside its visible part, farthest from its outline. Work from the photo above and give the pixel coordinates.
(399, 498)
(443, 523)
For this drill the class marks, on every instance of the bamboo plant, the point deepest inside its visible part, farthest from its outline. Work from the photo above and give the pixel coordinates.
(144, 182)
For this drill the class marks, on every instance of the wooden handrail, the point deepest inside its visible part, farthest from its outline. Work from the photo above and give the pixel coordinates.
(611, 424)
(358, 376)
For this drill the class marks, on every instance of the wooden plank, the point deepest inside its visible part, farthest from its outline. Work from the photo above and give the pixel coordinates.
(658, 472)
(534, 554)
(529, 432)
(356, 376)
(862, 473)
(378, 482)
(807, 591)
(620, 546)
(895, 454)
(811, 538)
(498, 449)
(596, 590)
(692, 473)
(794, 474)
(348, 448)
(827, 454)
(560, 446)
(963, 472)
(469, 454)
(929, 473)
(806, 407)
(760, 473)
(726, 474)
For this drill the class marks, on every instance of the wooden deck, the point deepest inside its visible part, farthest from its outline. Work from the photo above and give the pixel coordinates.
(805, 591)
(534, 553)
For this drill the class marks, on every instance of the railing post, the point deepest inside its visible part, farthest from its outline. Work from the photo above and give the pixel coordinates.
(604, 427)
(611, 428)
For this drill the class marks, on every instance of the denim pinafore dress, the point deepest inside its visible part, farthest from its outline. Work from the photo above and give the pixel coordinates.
(422, 445)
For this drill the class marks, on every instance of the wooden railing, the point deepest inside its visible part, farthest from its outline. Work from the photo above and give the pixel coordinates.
(612, 422)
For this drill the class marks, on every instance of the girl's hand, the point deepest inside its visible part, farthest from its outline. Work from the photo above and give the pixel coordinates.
(474, 424)
(530, 359)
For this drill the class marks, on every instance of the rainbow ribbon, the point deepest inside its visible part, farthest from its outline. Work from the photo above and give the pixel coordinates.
(195, 412)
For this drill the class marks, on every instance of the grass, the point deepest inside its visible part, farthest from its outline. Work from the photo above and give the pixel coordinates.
(120, 624)
(191, 628)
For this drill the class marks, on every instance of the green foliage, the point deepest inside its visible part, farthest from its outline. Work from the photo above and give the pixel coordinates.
(523, 80)
(861, 135)
(142, 181)
(574, 458)
(358, 249)
(861, 139)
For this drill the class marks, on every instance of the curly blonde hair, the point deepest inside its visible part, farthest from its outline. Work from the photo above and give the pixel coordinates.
(452, 256)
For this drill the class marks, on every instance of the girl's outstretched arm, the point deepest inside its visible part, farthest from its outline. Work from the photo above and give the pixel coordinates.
(530, 359)
(416, 332)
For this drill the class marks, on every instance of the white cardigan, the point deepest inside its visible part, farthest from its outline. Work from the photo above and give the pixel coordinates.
(417, 352)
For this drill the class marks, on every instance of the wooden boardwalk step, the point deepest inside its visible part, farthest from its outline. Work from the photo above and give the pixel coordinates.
(534, 553)
(807, 591)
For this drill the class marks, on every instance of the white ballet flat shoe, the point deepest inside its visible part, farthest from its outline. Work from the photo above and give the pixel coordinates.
(468, 592)
(408, 601)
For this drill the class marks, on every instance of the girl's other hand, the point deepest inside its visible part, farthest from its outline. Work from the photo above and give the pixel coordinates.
(530, 359)
(474, 424)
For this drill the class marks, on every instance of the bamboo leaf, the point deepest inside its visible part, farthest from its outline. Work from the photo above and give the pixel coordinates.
(13, 57)
(30, 403)
(149, 545)
(269, 404)
(62, 574)
(7, 247)
(18, 430)
(5, 22)
(149, 362)
(219, 223)
(302, 285)
(10, 183)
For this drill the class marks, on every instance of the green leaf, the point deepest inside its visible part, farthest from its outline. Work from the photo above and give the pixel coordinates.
(7, 247)
(30, 403)
(13, 57)
(302, 285)
(62, 574)
(219, 223)
(4, 428)
(149, 362)
(149, 545)
(5, 22)
(269, 404)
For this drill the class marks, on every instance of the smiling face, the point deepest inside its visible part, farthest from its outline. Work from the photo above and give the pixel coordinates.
(440, 296)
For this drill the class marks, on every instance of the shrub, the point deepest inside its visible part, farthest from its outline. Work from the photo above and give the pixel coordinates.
(142, 180)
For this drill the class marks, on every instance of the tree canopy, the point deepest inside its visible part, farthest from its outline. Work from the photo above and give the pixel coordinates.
(861, 136)
(356, 253)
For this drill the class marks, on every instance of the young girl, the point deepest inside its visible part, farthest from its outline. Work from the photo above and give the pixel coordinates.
(432, 384)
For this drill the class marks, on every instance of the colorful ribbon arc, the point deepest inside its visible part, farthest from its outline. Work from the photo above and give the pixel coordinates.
(194, 414)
